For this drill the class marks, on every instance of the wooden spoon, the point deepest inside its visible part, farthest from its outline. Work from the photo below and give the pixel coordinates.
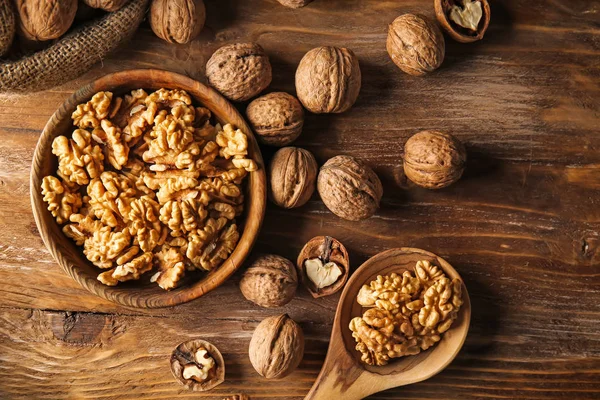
(344, 376)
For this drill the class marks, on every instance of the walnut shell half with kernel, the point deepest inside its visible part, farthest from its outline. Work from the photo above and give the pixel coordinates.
(177, 21)
(41, 20)
(294, 3)
(106, 5)
(239, 71)
(293, 173)
(277, 118)
(276, 347)
(328, 80)
(434, 159)
(349, 188)
(465, 21)
(270, 281)
(323, 265)
(415, 44)
(198, 365)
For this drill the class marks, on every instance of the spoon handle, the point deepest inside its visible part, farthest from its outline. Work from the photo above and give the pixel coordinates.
(340, 378)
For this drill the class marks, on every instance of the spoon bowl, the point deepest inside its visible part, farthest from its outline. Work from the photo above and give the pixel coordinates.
(343, 375)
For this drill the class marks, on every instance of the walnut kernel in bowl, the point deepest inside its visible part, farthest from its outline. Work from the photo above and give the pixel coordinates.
(146, 182)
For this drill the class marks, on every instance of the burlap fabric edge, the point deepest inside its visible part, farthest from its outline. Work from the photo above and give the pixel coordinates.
(74, 54)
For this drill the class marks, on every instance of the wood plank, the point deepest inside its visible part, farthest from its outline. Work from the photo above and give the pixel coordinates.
(522, 226)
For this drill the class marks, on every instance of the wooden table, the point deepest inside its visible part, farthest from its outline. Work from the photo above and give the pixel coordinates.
(522, 226)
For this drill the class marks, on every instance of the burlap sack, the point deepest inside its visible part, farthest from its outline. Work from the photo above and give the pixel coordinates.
(74, 54)
(7, 25)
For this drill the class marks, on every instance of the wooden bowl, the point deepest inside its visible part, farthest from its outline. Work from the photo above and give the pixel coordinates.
(142, 293)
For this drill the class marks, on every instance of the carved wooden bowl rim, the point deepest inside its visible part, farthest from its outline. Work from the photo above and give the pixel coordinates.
(71, 258)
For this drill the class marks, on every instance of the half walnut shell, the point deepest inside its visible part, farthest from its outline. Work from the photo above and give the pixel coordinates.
(323, 250)
(448, 12)
(185, 355)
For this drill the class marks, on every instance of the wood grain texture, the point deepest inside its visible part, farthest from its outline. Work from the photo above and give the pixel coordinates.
(142, 293)
(522, 226)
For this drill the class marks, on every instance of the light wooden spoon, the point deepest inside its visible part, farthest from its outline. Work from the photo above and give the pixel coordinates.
(343, 376)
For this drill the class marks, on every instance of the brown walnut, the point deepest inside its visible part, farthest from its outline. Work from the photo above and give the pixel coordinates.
(328, 80)
(277, 118)
(270, 281)
(177, 21)
(45, 19)
(465, 21)
(106, 5)
(295, 3)
(293, 173)
(198, 365)
(332, 266)
(434, 159)
(276, 347)
(415, 44)
(239, 71)
(349, 188)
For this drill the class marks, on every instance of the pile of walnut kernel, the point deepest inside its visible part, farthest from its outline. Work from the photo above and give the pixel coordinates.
(145, 180)
(407, 313)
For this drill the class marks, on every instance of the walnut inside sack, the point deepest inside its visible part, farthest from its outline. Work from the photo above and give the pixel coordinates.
(41, 20)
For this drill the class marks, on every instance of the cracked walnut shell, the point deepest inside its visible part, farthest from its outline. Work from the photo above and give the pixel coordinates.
(198, 365)
(277, 118)
(328, 80)
(270, 281)
(349, 188)
(177, 21)
(323, 265)
(415, 44)
(465, 21)
(293, 173)
(239, 71)
(294, 3)
(276, 347)
(434, 159)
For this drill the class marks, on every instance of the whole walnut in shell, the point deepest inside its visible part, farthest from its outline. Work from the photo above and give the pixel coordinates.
(349, 188)
(45, 19)
(277, 118)
(415, 44)
(106, 5)
(239, 71)
(270, 281)
(293, 173)
(295, 3)
(328, 80)
(276, 347)
(177, 21)
(434, 159)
